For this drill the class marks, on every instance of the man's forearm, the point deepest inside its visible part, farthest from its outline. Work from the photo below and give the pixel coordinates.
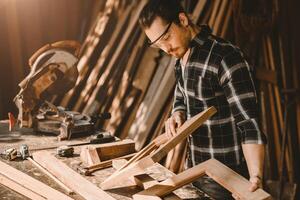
(254, 155)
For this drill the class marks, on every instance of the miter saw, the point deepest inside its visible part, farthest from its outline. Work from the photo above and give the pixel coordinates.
(53, 72)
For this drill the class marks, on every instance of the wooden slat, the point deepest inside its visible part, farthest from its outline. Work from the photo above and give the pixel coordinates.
(233, 182)
(19, 189)
(107, 151)
(31, 184)
(69, 177)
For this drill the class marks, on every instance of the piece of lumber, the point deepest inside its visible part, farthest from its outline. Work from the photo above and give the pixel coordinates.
(93, 154)
(69, 177)
(30, 183)
(145, 181)
(118, 163)
(19, 188)
(139, 166)
(233, 182)
(268, 75)
(108, 163)
(68, 190)
(222, 174)
(161, 139)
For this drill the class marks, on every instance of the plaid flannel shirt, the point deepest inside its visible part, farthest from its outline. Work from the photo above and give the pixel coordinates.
(216, 74)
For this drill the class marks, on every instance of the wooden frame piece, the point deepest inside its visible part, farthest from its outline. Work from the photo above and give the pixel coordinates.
(26, 185)
(141, 164)
(222, 174)
(69, 177)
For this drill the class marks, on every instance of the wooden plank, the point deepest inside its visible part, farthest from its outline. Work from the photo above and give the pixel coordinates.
(145, 181)
(31, 184)
(108, 151)
(69, 177)
(138, 167)
(19, 189)
(268, 75)
(68, 190)
(220, 17)
(173, 183)
(233, 182)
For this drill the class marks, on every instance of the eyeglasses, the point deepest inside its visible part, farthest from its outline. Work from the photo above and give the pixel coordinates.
(154, 43)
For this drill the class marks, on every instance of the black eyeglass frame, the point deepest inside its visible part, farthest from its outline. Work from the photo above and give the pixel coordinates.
(164, 33)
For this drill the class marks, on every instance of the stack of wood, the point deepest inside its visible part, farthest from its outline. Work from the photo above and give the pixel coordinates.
(121, 75)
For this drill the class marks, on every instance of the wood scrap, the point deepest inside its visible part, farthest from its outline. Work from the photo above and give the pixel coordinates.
(69, 177)
(25, 181)
(94, 154)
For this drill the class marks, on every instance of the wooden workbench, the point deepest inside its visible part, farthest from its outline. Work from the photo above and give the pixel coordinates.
(33, 140)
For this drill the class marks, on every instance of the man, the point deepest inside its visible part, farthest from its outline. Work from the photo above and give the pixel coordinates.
(210, 72)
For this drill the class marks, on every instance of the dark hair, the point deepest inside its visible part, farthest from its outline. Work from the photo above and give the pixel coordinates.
(168, 10)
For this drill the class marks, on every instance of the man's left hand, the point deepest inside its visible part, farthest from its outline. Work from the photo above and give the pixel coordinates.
(255, 184)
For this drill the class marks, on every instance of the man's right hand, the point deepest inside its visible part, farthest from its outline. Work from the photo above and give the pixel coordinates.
(174, 122)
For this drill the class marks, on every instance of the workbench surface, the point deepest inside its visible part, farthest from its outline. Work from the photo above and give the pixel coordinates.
(34, 140)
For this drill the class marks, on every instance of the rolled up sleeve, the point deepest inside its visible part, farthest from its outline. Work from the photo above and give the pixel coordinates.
(236, 80)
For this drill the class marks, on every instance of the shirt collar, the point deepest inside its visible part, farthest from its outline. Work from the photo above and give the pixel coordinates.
(201, 37)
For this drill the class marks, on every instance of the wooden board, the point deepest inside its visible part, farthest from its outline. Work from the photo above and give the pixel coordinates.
(139, 166)
(19, 188)
(225, 176)
(94, 154)
(30, 183)
(69, 177)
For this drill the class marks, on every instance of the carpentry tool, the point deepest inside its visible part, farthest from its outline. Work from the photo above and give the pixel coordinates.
(53, 72)
(24, 151)
(65, 151)
(9, 154)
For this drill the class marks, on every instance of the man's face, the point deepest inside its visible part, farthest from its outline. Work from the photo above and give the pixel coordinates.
(170, 37)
